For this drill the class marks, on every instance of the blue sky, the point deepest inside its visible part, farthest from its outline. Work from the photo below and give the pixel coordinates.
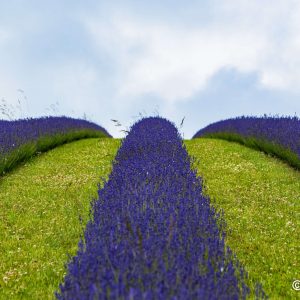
(202, 60)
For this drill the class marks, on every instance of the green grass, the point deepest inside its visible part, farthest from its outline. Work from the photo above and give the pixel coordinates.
(40, 204)
(262, 145)
(260, 197)
(43, 144)
(41, 201)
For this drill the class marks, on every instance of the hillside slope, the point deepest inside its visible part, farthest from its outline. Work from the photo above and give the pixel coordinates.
(41, 201)
(24, 138)
(40, 204)
(260, 198)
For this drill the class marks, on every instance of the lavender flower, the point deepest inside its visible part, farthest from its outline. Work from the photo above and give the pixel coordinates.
(16, 133)
(153, 235)
(279, 136)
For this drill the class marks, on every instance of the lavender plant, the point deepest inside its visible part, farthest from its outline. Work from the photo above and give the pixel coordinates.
(152, 234)
(20, 139)
(279, 136)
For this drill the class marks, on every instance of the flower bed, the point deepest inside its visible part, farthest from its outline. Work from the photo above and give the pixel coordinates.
(279, 136)
(152, 234)
(21, 139)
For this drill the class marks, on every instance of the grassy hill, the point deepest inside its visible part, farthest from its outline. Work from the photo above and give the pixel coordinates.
(260, 199)
(40, 204)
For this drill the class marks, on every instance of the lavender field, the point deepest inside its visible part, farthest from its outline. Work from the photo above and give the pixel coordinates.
(153, 232)
(149, 150)
(153, 235)
(278, 136)
(21, 139)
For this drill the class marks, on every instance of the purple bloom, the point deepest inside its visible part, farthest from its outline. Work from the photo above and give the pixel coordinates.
(284, 131)
(153, 235)
(19, 132)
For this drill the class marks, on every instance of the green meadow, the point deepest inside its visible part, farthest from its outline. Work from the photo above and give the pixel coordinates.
(40, 206)
(259, 196)
(44, 206)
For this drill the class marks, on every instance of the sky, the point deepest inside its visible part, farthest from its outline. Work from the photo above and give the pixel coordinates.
(202, 60)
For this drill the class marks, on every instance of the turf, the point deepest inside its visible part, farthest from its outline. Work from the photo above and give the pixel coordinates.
(260, 144)
(40, 205)
(259, 196)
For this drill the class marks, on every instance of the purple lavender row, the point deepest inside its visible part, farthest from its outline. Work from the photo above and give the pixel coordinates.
(283, 131)
(16, 133)
(153, 235)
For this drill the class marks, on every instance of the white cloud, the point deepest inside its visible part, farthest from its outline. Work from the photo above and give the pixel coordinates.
(175, 62)
(75, 80)
(278, 23)
(4, 35)
(138, 58)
